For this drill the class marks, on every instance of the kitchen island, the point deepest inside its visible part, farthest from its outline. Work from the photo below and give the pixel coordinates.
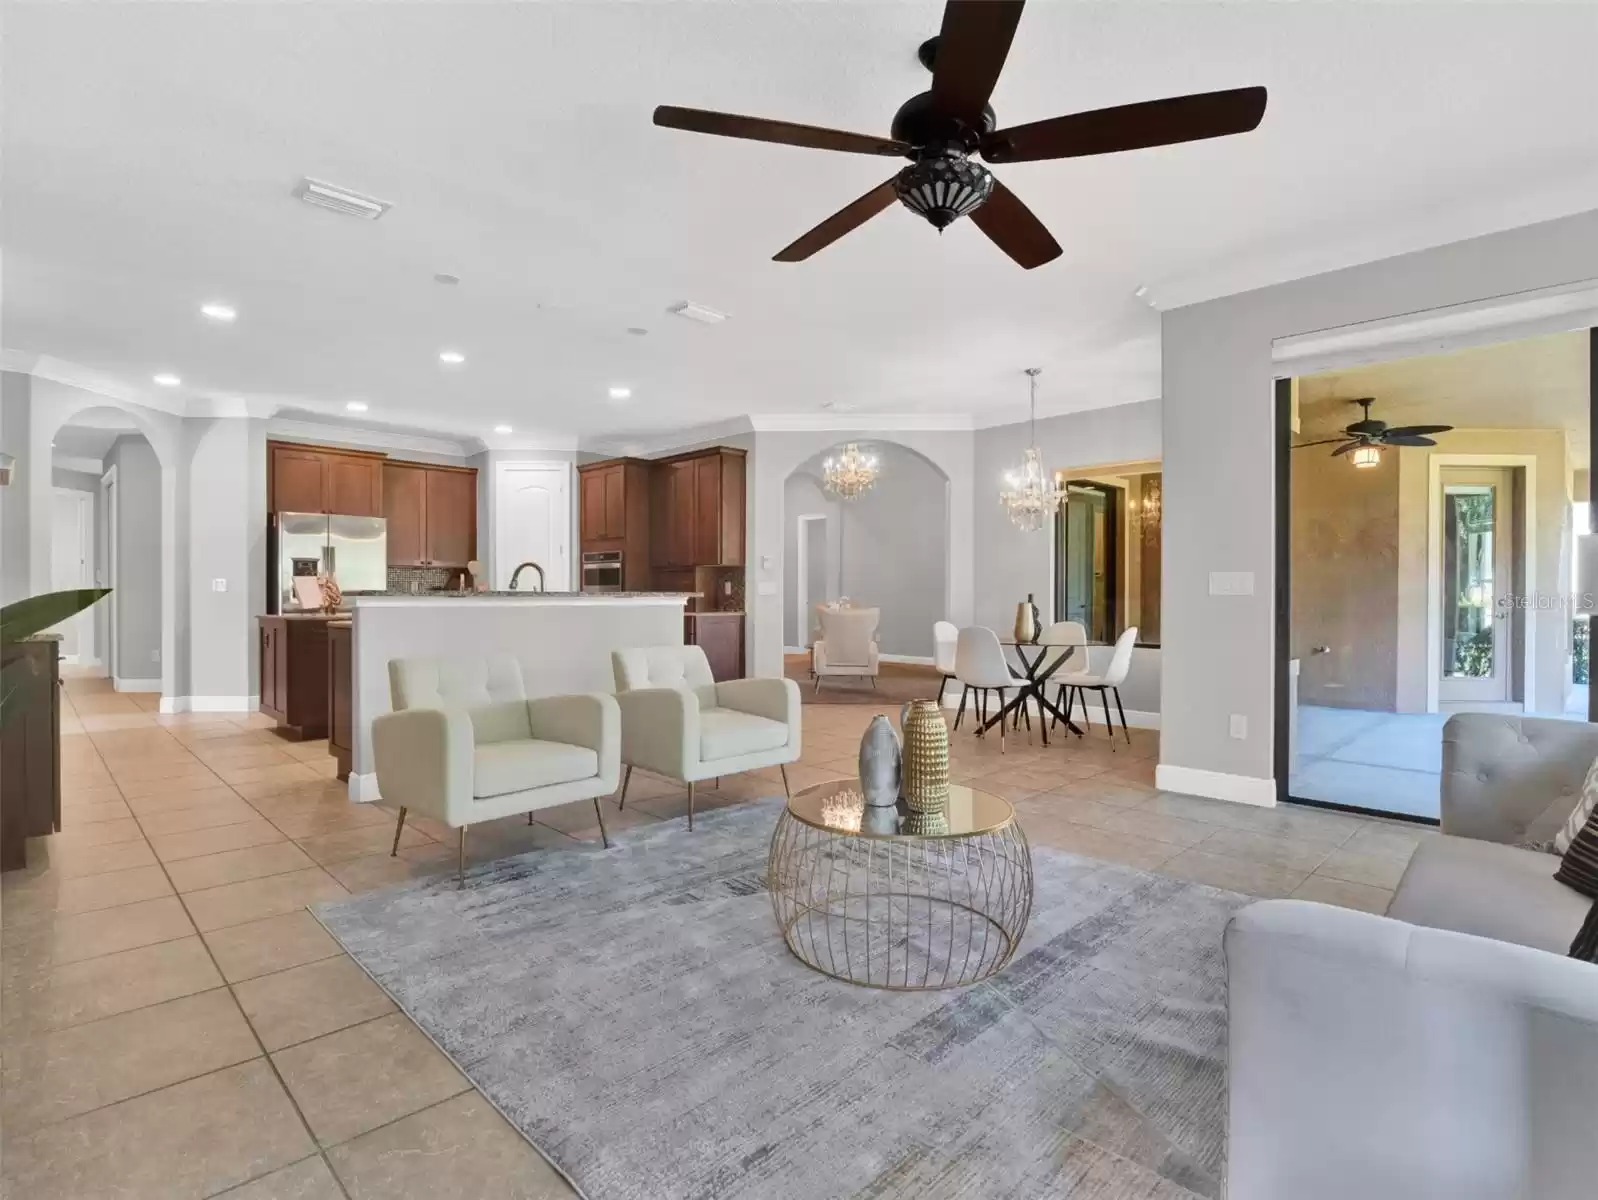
(562, 640)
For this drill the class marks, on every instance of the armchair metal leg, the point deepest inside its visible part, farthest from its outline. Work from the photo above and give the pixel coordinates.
(690, 806)
(398, 825)
(786, 790)
(873, 679)
(460, 860)
(625, 780)
(529, 818)
(599, 812)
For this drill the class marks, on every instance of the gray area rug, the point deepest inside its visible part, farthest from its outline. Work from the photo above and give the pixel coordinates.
(635, 1014)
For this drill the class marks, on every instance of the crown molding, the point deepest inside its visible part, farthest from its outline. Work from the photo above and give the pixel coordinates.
(849, 422)
(364, 435)
(74, 462)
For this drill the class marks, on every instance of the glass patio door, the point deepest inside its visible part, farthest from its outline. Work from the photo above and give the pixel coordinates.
(1477, 659)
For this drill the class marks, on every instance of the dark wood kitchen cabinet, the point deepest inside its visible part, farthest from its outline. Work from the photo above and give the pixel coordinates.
(432, 514)
(315, 479)
(699, 510)
(613, 513)
(721, 636)
(340, 695)
(293, 673)
(30, 748)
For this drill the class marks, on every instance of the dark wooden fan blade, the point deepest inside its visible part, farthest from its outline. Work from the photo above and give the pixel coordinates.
(786, 133)
(1346, 447)
(1130, 127)
(1322, 442)
(972, 46)
(1406, 439)
(1014, 229)
(851, 216)
(1414, 431)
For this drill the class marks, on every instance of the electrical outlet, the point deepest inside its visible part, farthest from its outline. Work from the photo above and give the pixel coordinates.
(155, 656)
(1231, 583)
(219, 585)
(1238, 726)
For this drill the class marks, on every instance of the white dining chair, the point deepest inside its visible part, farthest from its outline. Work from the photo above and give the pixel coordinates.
(945, 637)
(1068, 641)
(981, 667)
(1104, 683)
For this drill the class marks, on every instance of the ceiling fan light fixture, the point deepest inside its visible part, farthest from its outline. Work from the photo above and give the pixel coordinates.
(943, 187)
(1365, 457)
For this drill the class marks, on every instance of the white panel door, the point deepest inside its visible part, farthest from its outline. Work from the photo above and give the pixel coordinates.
(72, 565)
(532, 523)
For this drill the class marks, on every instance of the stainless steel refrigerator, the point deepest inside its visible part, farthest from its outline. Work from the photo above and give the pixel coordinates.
(353, 550)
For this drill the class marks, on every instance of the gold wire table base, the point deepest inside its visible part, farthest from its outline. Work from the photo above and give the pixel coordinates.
(905, 913)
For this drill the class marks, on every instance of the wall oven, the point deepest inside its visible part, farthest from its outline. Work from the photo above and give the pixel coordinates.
(602, 571)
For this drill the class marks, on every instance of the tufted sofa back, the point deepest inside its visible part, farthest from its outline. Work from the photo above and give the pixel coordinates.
(489, 689)
(682, 667)
(1512, 779)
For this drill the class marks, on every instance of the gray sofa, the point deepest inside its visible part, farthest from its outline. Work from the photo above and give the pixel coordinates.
(1448, 1049)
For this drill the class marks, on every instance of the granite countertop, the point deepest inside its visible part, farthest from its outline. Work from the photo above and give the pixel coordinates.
(717, 612)
(389, 598)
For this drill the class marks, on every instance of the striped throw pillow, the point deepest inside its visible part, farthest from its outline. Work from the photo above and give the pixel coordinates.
(1579, 867)
(1585, 947)
(1584, 809)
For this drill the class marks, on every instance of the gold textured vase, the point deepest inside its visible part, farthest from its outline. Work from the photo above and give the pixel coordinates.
(1026, 622)
(926, 757)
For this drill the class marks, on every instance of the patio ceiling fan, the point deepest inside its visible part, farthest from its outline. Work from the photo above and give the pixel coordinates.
(1364, 438)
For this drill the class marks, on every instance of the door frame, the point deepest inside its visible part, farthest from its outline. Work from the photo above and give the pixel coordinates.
(109, 495)
(84, 503)
(801, 576)
(555, 575)
(1524, 515)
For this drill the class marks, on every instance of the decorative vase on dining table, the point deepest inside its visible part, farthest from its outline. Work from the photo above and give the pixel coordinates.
(880, 764)
(1026, 621)
(926, 757)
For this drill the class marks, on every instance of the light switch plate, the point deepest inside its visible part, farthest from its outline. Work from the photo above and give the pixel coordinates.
(1231, 583)
(219, 585)
(1238, 726)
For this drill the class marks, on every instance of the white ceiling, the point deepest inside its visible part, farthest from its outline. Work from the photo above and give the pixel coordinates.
(150, 150)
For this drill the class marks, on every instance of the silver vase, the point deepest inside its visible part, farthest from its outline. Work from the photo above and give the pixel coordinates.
(880, 763)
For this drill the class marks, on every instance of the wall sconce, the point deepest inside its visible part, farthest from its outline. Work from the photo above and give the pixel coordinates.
(1366, 456)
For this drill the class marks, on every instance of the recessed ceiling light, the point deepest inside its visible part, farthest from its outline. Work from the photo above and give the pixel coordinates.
(620, 393)
(166, 379)
(219, 312)
(446, 279)
(356, 406)
(502, 429)
(453, 357)
(637, 330)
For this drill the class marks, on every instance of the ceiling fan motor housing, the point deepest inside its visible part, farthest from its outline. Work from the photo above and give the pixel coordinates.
(943, 186)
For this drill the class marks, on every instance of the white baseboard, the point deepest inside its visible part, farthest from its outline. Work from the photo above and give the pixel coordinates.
(210, 704)
(136, 685)
(363, 788)
(1216, 785)
(917, 660)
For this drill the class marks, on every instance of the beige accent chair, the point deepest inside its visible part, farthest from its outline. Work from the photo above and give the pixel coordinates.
(464, 744)
(847, 645)
(677, 721)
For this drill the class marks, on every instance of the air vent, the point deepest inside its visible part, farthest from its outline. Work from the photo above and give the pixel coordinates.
(340, 200)
(697, 312)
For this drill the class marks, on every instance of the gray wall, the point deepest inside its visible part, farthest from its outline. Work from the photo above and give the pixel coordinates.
(224, 540)
(1010, 563)
(1219, 461)
(16, 412)
(885, 547)
(139, 592)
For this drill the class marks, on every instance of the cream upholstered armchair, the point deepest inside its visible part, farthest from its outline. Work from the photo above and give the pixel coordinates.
(465, 744)
(847, 645)
(677, 721)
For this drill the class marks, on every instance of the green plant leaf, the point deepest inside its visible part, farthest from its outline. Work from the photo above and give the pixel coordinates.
(24, 618)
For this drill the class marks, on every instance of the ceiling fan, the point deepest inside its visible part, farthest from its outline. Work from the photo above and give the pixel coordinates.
(1365, 438)
(941, 129)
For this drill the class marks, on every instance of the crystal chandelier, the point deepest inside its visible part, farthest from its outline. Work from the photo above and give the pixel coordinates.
(849, 473)
(1030, 495)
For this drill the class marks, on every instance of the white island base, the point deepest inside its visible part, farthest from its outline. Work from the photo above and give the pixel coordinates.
(562, 641)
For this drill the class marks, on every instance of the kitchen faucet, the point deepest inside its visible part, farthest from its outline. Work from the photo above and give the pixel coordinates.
(517, 574)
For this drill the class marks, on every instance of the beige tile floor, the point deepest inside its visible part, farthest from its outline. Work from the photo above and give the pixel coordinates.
(173, 1023)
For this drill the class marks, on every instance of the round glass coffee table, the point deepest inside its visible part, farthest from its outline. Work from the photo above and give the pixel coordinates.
(889, 898)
